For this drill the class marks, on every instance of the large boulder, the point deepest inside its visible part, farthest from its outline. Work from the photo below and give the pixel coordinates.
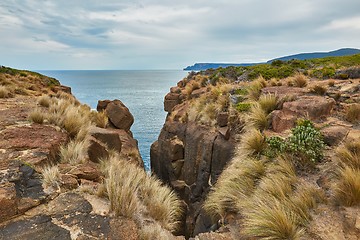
(311, 107)
(170, 101)
(119, 115)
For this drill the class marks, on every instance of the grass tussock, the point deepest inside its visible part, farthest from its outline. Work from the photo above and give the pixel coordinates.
(257, 117)
(254, 89)
(132, 195)
(319, 90)
(51, 177)
(347, 187)
(352, 113)
(252, 143)
(37, 116)
(99, 118)
(300, 80)
(74, 152)
(44, 101)
(271, 221)
(268, 102)
(5, 92)
(234, 186)
(349, 154)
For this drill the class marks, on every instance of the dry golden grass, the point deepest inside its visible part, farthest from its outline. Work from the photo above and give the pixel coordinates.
(99, 118)
(300, 80)
(51, 177)
(319, 90)
(137, 193)
(252, 142)
(44, 101)
(73, 121)
(352, 113)
(268, 102)
(270, 221)
(74, 152)
(349, 154)
(257, 118)
(37, 116)
(5, 92)
(347, 188)
(254, 88)
(234, 186)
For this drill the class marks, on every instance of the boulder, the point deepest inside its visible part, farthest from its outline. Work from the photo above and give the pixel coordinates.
(170, 101)
(88, 171)
(333, 135)
(109, 137)
(312, 107)
(119, 115)
(97, 150)
(102, 104)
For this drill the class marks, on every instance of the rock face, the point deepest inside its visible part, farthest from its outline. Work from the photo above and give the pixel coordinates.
(119, 115)
(189, 157)
(311, 107)
(66, 211)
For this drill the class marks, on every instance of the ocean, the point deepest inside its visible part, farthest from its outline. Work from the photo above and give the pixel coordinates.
(142, 91)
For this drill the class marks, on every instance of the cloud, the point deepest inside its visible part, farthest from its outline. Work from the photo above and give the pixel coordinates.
(167, 34)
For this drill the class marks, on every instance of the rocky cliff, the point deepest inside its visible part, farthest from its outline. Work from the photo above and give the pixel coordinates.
(216, 122)
(64, 169)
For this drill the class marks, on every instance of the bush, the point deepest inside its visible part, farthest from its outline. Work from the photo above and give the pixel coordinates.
(44, 101)
(257, 117)
(253, 143)
(268, 102)
(243, 106)
(319, 90)
(74, 152)
(305, 143)
(4, 92)
(300, 80)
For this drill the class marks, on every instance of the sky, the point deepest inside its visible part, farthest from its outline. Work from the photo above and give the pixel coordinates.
(159, 34)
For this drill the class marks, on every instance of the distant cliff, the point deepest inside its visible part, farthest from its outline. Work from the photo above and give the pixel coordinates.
(301, 56)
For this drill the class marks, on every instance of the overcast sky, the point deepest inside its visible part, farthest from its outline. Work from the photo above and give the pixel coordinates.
(159, 34)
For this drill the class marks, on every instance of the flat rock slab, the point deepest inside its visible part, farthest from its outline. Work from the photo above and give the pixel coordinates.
(38, 227)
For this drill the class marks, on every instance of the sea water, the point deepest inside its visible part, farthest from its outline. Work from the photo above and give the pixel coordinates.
(142, 91)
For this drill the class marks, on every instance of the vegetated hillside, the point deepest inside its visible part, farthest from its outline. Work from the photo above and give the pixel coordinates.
(304, 56)
(270, 151)
(68, 172)
(301, 56)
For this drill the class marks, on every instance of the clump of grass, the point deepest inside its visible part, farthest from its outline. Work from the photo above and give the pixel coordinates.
(271, 221)
(300, 80)
(37, 116)
(74, 152)
(254, 89)
(347, 188)
(73, 121)
(99, 118)
(44, 101)
(319, 90)
(51, 177)
(331, 83)
(253, 142)
(352, 113)
(137, 193)
(268, 102)
(349, 154)
(234, 186)
(5, 92)
(257, 117)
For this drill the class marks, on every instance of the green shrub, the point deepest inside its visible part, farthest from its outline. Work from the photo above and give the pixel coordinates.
(243, 106)
(305, 143)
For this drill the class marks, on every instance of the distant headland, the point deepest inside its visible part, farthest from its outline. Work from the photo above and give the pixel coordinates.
(301, 56)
